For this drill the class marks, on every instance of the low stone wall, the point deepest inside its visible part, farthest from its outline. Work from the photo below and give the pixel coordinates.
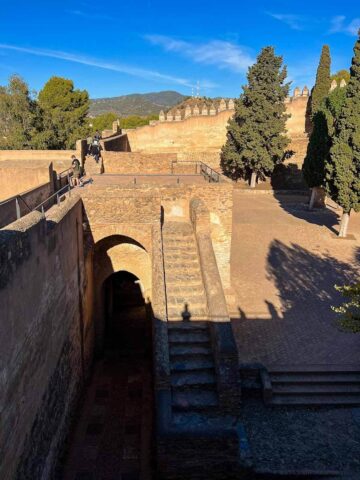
(116, 143)
(45, 339)
(26, 202)
(137, 163)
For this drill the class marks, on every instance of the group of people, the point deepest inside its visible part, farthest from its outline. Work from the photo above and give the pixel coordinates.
(94, 147)
(94, 150)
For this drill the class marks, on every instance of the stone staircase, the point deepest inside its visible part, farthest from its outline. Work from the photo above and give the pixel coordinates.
(315, 385)
(202, 437)
(184, 285)
(192, 367)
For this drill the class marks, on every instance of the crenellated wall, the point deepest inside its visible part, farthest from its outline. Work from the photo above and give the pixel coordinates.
(198, 133)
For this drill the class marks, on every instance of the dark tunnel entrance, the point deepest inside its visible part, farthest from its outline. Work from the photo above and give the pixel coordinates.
(127, 325)
(113, 436)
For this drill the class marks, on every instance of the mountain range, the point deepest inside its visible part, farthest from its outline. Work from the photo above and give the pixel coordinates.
(136, 104)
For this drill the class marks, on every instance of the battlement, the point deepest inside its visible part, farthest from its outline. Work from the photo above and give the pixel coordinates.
(298, 94)
(199, 109)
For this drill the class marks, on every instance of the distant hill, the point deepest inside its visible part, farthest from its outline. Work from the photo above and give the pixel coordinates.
(136, 104)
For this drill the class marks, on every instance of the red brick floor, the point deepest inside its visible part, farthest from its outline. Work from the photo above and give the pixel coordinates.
(113, 436)
(285, 262)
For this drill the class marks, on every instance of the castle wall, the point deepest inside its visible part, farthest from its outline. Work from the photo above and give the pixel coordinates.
(46, 336)
(200, 138)
(137, 162)
(199, 134)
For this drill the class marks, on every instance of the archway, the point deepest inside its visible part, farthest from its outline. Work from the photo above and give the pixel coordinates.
(128, 320)
(116, 418)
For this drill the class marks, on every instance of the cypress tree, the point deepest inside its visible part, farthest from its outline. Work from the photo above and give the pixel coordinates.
(313, 168)
(323, 80)
(256, 139)
(343, 167)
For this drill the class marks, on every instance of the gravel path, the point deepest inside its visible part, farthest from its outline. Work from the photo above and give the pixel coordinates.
(291, 439)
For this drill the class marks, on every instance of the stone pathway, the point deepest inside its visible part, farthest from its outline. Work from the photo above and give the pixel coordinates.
(113, 436)
(284, 265)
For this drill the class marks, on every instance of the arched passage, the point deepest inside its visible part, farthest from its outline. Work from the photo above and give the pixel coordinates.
(117, 253)
(116, 418)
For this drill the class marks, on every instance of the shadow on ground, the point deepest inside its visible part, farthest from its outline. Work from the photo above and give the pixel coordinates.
(305, 329)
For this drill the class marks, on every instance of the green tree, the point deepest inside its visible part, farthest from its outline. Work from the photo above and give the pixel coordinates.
(340, 75)
(256, 139)
(17, 115)
(343, 167)
(323, 82)
(102, 122)
(64, 114)
(134, 121)
(349, 310)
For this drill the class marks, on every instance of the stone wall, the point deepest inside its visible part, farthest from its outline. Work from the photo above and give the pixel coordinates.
(137, 163)
(45, 339)
(24, 203)
(124, 210)
(200, 137)
(200, 133)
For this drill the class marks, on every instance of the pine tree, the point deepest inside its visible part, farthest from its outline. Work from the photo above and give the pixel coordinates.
(256, 139)
(343, 168)
(63, 112)
(313, 168)
(323, 81)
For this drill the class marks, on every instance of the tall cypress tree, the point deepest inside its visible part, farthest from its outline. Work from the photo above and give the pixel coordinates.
(256, 139)
(313, 168)
(323, 80)
(343, 168)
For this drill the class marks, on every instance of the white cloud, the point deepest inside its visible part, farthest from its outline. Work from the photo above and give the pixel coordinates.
(339, 25)
(115, 67)
(293, 21)
(216, 52)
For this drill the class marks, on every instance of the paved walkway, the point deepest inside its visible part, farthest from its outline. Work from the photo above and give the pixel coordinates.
(113, 436)
(285, 263)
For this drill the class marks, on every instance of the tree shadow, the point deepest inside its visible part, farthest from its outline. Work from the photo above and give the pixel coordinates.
(304, 330)
(297, 206)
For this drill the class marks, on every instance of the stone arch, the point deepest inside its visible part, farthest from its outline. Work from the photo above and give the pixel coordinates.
(113, 254)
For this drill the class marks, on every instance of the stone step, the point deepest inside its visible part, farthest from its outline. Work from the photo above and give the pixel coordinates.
(182, 268)
(193, 378)
(175, 260)
(193, 301)
(315, 377)
(317, 389)
(175, 313)
(189, 421)
(188, 326)
(176, 337)
(316, 400)
(182, 278)
(190, 349)
(185, 364)
(194, 400)
(185, 290)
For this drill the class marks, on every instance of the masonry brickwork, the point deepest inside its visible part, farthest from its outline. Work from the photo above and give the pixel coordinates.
(46, 337)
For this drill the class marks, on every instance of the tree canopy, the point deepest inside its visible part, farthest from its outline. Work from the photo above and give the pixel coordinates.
(17, 115)
(340, 75)
(63, 111)
(256, 139)
(343, 168)
(323, 82)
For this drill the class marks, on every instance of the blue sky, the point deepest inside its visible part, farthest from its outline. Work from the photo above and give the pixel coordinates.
(115, 48)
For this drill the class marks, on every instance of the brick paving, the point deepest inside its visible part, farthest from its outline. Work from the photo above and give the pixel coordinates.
(285, 262)
(113, 436)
